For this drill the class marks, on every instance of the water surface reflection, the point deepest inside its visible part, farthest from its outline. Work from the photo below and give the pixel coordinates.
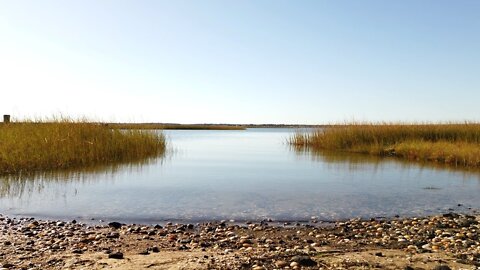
(244, 175)
(355, 161)
(23, 185)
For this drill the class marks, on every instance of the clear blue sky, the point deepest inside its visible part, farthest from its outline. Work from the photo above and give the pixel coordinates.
(252, 61)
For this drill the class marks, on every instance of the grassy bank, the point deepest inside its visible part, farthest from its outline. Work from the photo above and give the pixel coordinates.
(174, 126)
(37, 146)
(454, 144)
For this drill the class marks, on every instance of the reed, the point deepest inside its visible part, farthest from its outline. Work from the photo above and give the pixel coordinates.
(61, 144)
(455, 144)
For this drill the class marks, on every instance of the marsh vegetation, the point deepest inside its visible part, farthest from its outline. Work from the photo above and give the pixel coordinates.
(453, 144)
(31, 146)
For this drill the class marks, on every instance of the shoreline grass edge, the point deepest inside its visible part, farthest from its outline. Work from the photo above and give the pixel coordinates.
(452, 144)
(27, 147)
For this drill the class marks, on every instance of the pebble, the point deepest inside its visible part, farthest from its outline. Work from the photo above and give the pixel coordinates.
(116, 225)
(304, 260)
(115, 255)
(281, 264)
(442, 267)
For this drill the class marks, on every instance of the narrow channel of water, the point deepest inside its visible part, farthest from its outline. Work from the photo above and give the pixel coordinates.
(242, 175)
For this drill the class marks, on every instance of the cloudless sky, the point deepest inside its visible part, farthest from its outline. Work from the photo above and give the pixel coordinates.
(258, 61)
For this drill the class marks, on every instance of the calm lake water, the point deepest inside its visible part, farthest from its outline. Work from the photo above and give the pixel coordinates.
(242, 175)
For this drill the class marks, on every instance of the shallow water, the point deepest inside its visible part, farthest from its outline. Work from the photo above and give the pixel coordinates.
(242, 175)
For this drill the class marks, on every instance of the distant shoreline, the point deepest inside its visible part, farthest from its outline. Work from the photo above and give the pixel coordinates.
(208, 126)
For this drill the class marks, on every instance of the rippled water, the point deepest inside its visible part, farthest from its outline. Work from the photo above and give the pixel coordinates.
(242, 175)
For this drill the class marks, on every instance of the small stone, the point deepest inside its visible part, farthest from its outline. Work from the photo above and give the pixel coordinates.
(115, 225)
(172, 237)
(115, 255)
(412, 247)
(77, 251)
(113, 235)
(145, 252)
(155, 249)
(426, 246)
(33, 224)
(450, 215)
(281, 264)
(304, 261)
(442, 267)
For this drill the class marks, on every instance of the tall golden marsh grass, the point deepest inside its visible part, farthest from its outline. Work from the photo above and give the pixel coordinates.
(61, 144)
(455, 144)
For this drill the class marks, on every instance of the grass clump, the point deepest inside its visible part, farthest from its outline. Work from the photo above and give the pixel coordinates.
(61, 144)
(455, 144)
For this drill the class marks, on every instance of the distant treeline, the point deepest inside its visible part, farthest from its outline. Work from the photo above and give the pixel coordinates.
(174, 126)
(205, 126)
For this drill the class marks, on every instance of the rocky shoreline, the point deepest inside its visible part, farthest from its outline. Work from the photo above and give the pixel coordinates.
(449, 241)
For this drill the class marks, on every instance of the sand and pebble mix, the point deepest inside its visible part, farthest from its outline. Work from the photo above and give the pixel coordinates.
(449, 241)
